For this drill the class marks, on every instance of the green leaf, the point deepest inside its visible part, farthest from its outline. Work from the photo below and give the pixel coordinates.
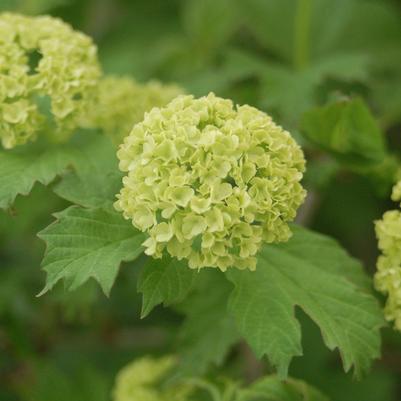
(313, 272)
(320, 173)
(271, 22)
(373, 26)
(208, 331)
(21, 168)
(209, 23)
(387, 95)
(348, 131)
(329, 27)
(271, 388)
(351, 66)
(96, 179)
(290, 92)
(86, 243)
(166, 281)
(275, 24)
(81, 382)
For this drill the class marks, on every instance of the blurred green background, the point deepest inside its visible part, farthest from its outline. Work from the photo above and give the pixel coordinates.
(282, 56)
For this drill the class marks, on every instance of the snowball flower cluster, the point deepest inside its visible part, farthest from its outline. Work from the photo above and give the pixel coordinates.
(388, 275)
(122, 102)
(43, 60)
(210, 182)
(140, 380)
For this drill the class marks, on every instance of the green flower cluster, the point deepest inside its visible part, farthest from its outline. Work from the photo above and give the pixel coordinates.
(388, 275)
(43, 59)
(140, 381)
(210, 182)
(122, 102)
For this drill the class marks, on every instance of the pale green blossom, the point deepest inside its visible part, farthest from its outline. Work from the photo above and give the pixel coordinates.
(210, 182)
(121, 102)
(388, 275)
(141, 381)
(42, 59)
(396, 194)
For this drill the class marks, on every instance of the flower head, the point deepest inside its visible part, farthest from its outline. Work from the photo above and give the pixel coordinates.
(42, 60)
(122, 102)
(210, 182)
(388, 275)
(396, 193)
(140, 380)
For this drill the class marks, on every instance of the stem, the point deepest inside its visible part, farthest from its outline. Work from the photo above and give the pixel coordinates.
(230, 392)
(253, 368)
(301, 31)
(201, 384)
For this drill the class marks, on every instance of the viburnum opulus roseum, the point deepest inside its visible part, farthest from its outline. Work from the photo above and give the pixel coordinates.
(210, 182)
(44, 63)
(388, 275)
(121, 102)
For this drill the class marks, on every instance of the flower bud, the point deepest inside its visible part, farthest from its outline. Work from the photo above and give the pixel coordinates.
(140, 380)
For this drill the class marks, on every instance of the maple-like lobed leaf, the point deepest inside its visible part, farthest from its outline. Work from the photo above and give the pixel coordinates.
(95, 178)
(208, 331)
(271, 388)
(347, 130)
(85, 243)
(164, 281)
(313, 272)
(21, 169)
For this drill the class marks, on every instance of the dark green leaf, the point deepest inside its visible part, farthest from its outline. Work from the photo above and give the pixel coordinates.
(209, 23)
(86, 243)
(20, 169)
(208, 331)
(313, 272)
(271, 388)
(164, 281)
(348, 131)
(96, 179)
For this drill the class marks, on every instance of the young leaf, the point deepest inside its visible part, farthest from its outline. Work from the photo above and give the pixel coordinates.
(209, 23)
(265, 19)
(96, 179)
(208, 331)
(292, 92)
(347, 66)
(288, 91)
(310, 271)
(164, 281)
(86, 243)
(271, 388)
(20, 169)
(348, 131)
(331, 27)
